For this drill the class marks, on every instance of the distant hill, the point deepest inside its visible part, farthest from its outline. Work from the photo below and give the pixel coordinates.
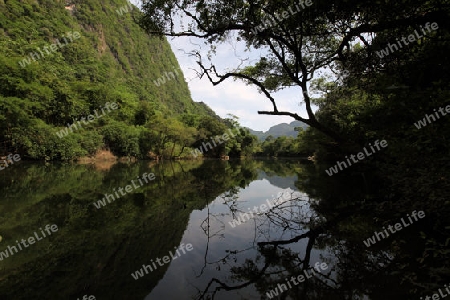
(282, 129)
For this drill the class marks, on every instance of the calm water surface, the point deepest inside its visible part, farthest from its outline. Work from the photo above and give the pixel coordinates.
(95, 251)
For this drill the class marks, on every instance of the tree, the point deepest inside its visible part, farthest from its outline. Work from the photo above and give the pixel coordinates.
(159, 133)
(298, 40)
(208, 129)
(181, 135)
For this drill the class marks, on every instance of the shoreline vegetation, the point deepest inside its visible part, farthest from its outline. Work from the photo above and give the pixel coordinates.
(108, 156)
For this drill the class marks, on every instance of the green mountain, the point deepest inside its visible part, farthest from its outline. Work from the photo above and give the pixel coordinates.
(63, 61)
(278, 130)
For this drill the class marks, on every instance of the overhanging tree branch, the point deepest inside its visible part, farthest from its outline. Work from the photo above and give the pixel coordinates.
(298, 45)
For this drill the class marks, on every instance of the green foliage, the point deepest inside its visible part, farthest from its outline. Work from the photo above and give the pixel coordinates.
(40, 142)
(112, 61)
(121, 139)
(383, 98)
(282, 146)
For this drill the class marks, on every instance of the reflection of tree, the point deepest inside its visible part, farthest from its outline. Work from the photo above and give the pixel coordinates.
(284, 168)
(275, 261)
(350, 209)
(279, 264)
(63, 195)
(206, 228)
(111, 242)
(293, 214)
(230, 199)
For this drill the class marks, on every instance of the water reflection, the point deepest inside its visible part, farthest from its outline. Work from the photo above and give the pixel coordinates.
(96, 250)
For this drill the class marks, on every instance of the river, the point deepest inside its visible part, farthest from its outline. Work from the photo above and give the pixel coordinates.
(210, 229)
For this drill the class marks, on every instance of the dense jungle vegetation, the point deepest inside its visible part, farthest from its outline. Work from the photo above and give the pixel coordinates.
(113, 61)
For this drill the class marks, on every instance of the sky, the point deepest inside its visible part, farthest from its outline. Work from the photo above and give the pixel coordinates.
(232, 97)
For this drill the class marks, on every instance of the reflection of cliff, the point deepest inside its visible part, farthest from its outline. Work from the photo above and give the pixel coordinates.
(96, 250)
(281, 173)
(281, 182)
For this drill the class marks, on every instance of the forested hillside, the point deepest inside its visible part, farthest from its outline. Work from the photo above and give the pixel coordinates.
(279, 130)
(68, 60)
